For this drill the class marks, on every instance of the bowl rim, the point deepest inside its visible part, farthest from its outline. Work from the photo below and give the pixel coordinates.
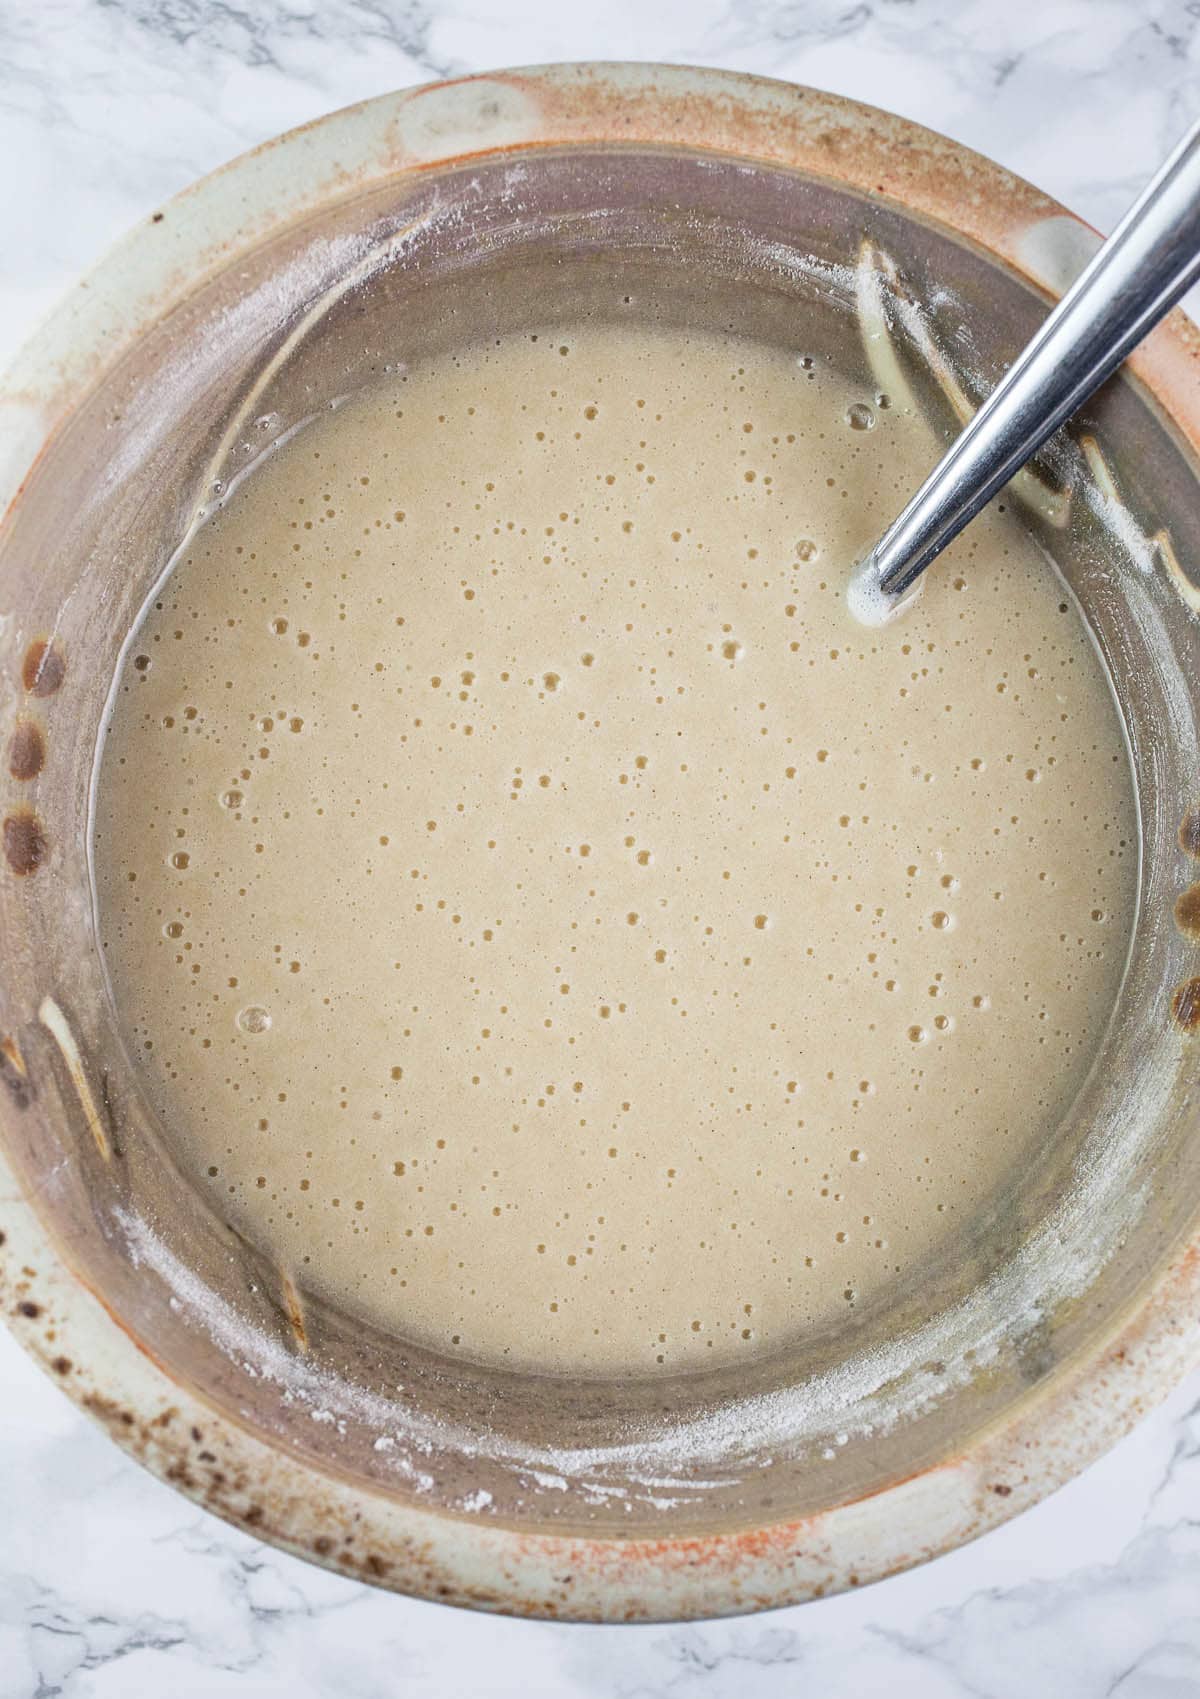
(360, 1531)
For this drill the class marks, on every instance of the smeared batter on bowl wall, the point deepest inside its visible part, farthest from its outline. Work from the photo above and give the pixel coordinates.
(545, 918)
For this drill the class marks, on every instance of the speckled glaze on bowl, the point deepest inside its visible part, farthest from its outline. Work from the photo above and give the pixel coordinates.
(282, 282)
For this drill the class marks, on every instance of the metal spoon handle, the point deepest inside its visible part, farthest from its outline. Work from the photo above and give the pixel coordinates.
(1147, 263)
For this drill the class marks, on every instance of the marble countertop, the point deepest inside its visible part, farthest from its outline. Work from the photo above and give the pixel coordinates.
(112, 1586)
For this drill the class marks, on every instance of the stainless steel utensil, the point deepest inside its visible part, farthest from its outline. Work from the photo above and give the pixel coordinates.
(1149, 261)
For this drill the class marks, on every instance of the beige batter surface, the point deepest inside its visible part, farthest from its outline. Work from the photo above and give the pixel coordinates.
(544, 918)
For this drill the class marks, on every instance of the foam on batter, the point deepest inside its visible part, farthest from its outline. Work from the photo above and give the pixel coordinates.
(545, 918)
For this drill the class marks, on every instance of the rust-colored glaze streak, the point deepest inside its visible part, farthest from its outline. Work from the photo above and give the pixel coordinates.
(293, 1308)
(44, 667)
(1189, 832)
(25, 844)
(26, 750)
(807, 128)
(1187, 912)
(14, 1074)
(1185, 1006)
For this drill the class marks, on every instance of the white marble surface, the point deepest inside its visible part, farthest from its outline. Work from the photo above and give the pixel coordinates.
(111, 1586)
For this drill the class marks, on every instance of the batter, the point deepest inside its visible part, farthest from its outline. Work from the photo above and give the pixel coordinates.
(544, 918)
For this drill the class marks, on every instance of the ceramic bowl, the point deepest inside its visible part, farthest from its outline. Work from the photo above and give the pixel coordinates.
(280, 285)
